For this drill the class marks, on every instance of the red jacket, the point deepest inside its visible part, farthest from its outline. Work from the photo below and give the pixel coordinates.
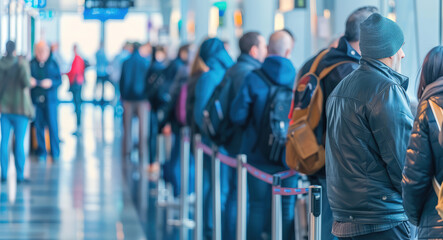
(77, 72)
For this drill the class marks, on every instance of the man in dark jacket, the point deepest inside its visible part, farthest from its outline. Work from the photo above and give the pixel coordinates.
(347, 50)
(133, 94)
(253, 52)
(247, 111)
(46, 78)
(368, 127)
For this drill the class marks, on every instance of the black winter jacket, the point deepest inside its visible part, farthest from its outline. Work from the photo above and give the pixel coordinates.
(424, 160)
(368, 127)
(343, 52)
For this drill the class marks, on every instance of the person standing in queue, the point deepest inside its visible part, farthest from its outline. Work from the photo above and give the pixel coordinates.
(424, 157)
(348, 54)
(369, 122)
(15, 107)
(248, 112)
(45, 79)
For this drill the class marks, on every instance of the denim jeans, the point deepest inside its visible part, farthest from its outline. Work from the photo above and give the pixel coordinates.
(46, 115)
(260, 206)
(19, 123)
(400, 232)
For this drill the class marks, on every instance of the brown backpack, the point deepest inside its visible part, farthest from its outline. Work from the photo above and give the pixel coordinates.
(303, 153)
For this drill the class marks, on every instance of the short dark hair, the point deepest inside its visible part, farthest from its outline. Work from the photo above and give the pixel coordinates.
(352, 32)
(248, 40)
(183, 48)
(10, 48)
(431, 70)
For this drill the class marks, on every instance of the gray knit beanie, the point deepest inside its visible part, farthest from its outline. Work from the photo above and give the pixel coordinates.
(380, 37)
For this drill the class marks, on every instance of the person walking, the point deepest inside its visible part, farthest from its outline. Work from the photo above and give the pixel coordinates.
(15, 107)
(248, 111)
(347, 54)
(368, 126)
(424, 157)
(102, 72)
(76, 79)
(46, 78)
(133, 94)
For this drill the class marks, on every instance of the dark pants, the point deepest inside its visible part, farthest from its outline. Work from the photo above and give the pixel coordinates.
(400, 232)
(19, 123)
(140, 109)
(326, 214)
(260, 206)
(153, 133)
(76, 90)
(46, 115)
(101, 80)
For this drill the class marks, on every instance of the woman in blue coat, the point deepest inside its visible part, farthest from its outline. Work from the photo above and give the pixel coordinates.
(424, 158)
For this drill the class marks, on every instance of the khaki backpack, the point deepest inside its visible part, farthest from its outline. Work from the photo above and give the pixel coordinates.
(303, 153)
(438, 188)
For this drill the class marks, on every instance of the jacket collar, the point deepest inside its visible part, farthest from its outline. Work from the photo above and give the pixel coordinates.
(432, 89)
(246, 58)
(385, 70)
(344, 46)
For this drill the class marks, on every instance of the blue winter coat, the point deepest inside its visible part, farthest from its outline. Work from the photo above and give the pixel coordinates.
(247, 107)
(132, 81)
(49, 70)
(218, 60)
(424, 160)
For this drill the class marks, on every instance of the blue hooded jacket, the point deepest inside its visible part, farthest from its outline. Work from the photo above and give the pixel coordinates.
(218, 60)
(250, 102)
(132, 81)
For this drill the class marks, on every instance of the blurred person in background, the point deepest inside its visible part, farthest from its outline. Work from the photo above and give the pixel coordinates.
(55, 54)
(153, 80)
(45, 80)
(102, 73)
(76, 79)
(15, 107)
(133, 95)
(115, 72)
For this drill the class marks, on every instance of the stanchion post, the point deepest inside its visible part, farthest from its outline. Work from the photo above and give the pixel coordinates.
(276, 211)
(315, 212)
(216, 202)
(161, 185)
(198, 212)
(241, 196)
(184, 203)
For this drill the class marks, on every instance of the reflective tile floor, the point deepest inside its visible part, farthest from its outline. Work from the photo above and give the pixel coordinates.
(84, 196)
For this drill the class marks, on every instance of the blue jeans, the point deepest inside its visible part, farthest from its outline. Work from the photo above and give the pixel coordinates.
(400, 232)
(260, 206)
(46, 115)
(153, 133)
(19, 123)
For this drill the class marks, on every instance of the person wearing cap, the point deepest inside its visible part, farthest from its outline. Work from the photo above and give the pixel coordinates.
(15, 107)
(368, 127)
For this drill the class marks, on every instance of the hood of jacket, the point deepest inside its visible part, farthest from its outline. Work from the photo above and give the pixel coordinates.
(215, 55)
(433, 89)
(280, 70)
(7, 62)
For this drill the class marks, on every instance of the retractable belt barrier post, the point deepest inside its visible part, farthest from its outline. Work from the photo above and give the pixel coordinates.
(315, 212)
(216, 202)
(276, 210)
(184, 200)
(198, 212)
(162, 192)
(241, 196)
(243, 167)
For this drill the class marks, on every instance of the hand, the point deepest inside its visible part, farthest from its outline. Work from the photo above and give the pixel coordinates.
(33, 82)
(46, 83)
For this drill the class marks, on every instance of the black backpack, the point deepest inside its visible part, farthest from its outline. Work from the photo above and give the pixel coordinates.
(275, 122)
(216, 123)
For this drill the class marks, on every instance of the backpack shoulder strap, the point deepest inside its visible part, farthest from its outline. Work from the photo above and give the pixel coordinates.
(263, 76)
(328, 70)
(317, 60)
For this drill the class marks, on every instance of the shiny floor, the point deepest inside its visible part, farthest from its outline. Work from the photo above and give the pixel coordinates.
(85, 195)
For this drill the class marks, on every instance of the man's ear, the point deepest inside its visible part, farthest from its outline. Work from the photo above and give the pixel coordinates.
(254, 51)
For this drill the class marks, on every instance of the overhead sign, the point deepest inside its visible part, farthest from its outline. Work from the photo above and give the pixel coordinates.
(109, 3)
(36, 3)
(46, 14)
(104, 14)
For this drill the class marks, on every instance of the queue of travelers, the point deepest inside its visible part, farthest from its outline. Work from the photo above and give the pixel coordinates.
(346, 112)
